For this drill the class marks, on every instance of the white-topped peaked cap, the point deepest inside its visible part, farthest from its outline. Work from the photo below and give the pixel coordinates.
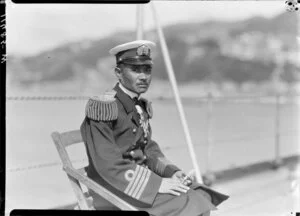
(137, 52)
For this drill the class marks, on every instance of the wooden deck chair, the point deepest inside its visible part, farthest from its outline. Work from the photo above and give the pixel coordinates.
(78, 176)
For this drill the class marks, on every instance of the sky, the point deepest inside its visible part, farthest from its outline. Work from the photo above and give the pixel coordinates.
(33, 28)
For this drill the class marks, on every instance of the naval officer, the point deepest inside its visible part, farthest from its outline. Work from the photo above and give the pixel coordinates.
(122, 155)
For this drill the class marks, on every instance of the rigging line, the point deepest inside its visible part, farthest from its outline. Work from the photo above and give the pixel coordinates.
(234, 99)
(42, 165)
(47, 98)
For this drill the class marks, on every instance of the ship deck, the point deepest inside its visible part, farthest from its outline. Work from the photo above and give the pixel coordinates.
(257, 190)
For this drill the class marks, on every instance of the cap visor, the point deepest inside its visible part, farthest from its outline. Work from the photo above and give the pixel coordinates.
(138, 62)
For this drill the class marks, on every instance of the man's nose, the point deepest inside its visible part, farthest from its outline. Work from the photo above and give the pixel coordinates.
(143, 75)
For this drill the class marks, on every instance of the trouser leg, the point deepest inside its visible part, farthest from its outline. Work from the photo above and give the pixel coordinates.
(206, 195)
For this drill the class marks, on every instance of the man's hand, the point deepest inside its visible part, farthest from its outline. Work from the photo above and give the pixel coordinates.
(182, 177)
(172, 186)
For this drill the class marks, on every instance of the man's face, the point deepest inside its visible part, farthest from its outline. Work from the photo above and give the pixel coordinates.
(136, 78)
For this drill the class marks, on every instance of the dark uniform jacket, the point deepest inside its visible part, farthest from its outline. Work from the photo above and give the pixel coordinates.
(123, 157)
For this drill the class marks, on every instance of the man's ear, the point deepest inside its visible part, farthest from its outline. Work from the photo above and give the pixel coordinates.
(118, 72)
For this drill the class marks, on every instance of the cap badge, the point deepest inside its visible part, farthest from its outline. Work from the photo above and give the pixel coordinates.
(143, 50)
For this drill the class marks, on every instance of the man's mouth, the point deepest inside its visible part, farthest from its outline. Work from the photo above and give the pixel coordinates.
(142, 85)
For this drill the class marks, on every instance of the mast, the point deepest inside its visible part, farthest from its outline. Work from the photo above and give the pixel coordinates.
(172, 79)
(139, 22)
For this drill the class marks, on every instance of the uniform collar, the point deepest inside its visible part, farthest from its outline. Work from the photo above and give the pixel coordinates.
(124, 98)
(128, 92)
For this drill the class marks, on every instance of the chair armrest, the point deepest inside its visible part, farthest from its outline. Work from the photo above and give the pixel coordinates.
(106, 194)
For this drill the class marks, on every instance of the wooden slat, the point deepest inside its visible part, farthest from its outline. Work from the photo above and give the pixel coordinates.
(71, 137)
(77, 176)
(82, 202)
(82, 170)
(61, 149)
(115, 200)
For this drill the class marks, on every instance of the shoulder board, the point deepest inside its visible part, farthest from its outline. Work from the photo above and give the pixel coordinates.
(102, 108)
(148, 107)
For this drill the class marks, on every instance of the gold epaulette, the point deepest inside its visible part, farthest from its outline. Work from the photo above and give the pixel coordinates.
(102, 108)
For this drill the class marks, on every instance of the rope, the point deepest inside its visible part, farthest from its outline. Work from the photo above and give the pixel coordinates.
(234, 99)
(38, 166)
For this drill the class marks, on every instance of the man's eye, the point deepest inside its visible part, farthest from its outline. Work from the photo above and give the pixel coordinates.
(148, 70)
(135, 69)
(141, 69)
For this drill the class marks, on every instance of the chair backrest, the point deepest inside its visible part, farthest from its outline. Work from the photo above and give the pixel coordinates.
(62, 140)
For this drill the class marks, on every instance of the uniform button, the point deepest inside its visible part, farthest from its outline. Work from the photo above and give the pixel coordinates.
(145, 141)
(145, 157)
(134, 130)
(131, 153)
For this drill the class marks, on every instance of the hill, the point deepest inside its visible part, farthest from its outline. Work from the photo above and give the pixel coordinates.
(240, 51)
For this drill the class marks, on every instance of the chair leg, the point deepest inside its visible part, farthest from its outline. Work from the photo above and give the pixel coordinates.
(206, 213)
(82, 203)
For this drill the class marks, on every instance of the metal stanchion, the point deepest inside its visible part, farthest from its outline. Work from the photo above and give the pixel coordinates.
(209, 177)
(139, 22)
(277, 161)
